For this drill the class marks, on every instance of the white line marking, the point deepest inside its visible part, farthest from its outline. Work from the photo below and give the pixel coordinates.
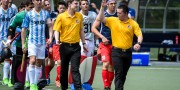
(150, 68)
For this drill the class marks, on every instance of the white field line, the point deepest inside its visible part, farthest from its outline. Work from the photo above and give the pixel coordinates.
(149, 68)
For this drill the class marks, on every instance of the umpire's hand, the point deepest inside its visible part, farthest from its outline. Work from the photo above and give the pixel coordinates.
(58, 42)
(137, 47)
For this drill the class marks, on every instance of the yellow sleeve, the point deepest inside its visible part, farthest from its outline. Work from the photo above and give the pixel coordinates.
(108, 21)
(57, 24)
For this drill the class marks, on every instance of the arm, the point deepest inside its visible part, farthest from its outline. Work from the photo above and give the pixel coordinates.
(138, 33)
(23, 36)
(94, 29)
(137, 46)
(11, 32)
(140, 39)
(101, 16)
(12, 27)
(82, 35)
(96, 32)
(57, 29)
(50, 30)
(83, 40)
(56, 33)
(24, 26)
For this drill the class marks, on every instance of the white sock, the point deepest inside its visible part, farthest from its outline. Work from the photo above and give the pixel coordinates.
(37, 74)
(31, 73)
(27, 74)
(6, 69)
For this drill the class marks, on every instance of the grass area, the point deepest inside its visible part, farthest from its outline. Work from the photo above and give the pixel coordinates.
(139, 78)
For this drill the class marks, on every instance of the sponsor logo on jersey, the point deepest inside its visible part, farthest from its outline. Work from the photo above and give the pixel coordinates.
(39, 22)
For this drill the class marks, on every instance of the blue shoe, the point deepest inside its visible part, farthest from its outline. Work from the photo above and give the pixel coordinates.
(72, 86)
(86, 86)
(48, 81)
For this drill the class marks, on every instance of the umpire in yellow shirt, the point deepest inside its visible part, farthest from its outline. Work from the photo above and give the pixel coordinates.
(122, 32)
(70, 27)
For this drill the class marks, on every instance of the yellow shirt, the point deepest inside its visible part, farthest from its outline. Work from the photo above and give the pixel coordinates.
(69, 27)
(122, 33)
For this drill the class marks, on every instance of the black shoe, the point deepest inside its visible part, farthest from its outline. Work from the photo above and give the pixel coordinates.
(107, 88)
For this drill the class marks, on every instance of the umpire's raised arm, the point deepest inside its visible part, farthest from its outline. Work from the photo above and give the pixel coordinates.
(101, 16)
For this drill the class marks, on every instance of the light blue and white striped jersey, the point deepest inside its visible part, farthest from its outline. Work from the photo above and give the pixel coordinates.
(36, 22)
(5, 17)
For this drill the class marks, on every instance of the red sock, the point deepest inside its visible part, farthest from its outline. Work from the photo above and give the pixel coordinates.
(47, 70)
(58, 71)
(111, 77)
(105, 77)
(50, 68)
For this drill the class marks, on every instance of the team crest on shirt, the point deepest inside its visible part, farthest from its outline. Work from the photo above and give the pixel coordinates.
(129, 27)
(77, 21)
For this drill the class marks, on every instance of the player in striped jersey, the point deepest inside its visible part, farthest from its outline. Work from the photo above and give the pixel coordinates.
(35, 20)
(105, 45)
(15, 26)
(5, 15)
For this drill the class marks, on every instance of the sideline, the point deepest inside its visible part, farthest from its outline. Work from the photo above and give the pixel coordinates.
(148, 68)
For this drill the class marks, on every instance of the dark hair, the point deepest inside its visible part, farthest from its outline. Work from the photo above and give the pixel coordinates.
(27, 3)
(123, 3)
(62, 3)
(70, 2)
(124, 8)
(22, 5)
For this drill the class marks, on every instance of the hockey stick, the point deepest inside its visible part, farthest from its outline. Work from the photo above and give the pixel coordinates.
(15, 37)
